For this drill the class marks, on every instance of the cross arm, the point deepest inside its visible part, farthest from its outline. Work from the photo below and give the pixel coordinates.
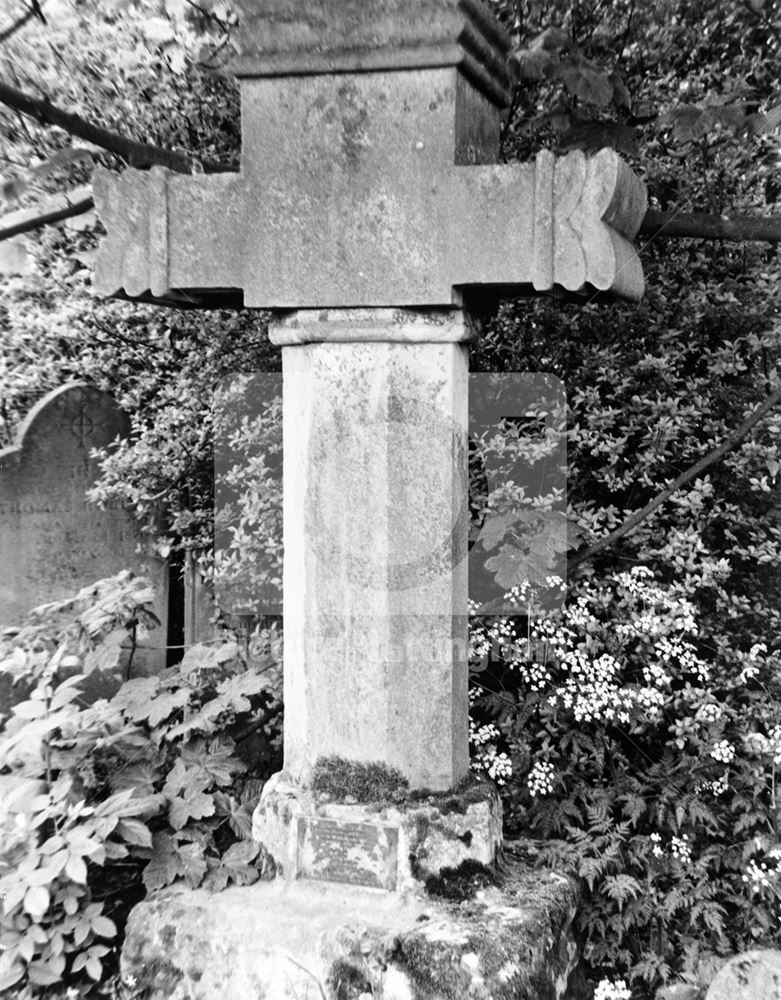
(565, 222)
(167, 231)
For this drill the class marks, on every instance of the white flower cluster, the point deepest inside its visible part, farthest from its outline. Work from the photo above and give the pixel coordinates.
(486, 636)
(541, 778)
(718, 786)
(536, 675)
(496, 764)
(479, 736)
(723, 751)
(591, 690)
(681, 849)
(488, 757)
(612, 991)
(768, 746)
(757, 876)
(708, 714)
(677, 649)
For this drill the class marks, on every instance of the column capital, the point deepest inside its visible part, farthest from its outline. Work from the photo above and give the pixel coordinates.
(305, 37)
(385, 326)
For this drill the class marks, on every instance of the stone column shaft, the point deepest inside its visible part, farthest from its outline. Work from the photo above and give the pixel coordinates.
(375, 531)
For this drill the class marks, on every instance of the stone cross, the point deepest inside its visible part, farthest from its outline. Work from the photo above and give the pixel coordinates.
(368, 211)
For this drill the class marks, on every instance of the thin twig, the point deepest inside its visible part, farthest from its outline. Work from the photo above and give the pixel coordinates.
(727, 445)
(47, 219)
(137, 154)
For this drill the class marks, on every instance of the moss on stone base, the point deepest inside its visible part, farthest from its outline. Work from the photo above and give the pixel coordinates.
(342, 779)
(458, 883)
(521, 951)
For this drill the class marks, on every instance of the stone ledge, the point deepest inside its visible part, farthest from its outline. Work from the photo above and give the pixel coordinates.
(278, 940)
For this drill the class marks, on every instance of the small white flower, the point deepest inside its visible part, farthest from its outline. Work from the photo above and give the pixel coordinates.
(541, 778)
(757, 875)
(680, 849)
(612, 991)
(723, 751)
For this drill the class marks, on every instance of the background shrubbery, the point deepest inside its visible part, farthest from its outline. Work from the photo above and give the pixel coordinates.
(103, 802)
(653, 773)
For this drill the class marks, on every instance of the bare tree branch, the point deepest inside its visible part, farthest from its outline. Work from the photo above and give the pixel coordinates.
(740, 228)
(46, 219)
(727, 445)
(137, 154)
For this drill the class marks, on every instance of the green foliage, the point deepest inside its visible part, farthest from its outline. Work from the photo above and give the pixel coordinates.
(123, 795)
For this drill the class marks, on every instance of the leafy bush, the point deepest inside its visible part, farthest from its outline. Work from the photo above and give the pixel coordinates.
(127, 794)
(645, 770)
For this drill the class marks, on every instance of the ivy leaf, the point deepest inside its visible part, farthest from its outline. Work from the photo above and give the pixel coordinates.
(233, 697)
(239, 814)
(218, 762)
(134, 696)
(194, 807)
(164, 705)
(133, 831)
(193, 864)
(587, 83)
(236, 866)
(165, 865)
(189, 778)
(495, 528)
(197, 658)
(106, 656)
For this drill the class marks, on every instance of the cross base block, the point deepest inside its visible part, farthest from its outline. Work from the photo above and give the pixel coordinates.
(396, 846)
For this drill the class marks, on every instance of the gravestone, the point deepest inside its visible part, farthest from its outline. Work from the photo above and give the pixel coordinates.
(52, 539)
(753, 975)
(370, 215)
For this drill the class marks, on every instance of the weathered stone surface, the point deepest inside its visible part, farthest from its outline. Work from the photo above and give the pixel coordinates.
(399, 846)
(286, 37)
(54, 542)
(678, 991)
(274, 941)
(375, 535)
(754, 975)
(379, 187)
(416, 234)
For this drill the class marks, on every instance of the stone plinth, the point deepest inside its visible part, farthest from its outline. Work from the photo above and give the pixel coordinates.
(277, 941)
(397, 846)
(375, 535)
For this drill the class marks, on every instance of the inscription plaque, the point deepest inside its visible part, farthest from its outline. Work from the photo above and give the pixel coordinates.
(335, 850)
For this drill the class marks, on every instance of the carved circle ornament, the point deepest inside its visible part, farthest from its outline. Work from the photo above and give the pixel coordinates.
(419, 553)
